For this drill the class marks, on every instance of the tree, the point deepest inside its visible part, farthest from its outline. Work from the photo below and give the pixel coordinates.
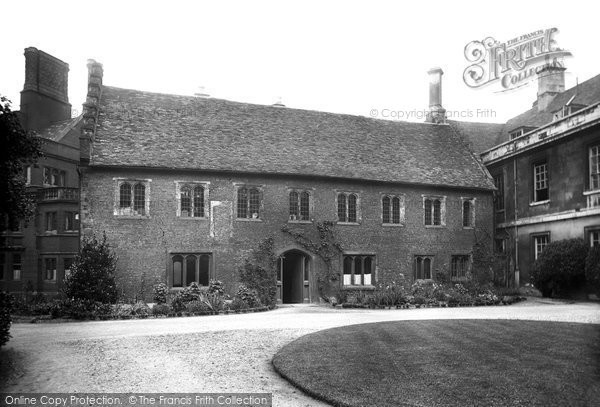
(92, 275)
(19, 149)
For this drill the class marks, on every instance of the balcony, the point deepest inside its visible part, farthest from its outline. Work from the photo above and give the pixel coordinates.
(59, 194)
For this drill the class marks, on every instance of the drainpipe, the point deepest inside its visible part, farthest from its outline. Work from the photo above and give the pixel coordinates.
(517, 272)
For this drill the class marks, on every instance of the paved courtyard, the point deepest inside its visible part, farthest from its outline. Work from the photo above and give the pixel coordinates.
(221, 353)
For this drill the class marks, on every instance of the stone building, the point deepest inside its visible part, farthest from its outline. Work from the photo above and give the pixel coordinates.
(36, 254)
(546, 166)
(185, 187)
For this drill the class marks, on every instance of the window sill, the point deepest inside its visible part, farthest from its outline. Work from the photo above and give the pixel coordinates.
(305, 222)
(248, 220)
(538, 203)
(192, 218)
(132, 217)
(591, 192)
(358, 287)
(435, 226)
(468, 227)
(393, 225)
(348, 223)
(50, 281)
(202, 288)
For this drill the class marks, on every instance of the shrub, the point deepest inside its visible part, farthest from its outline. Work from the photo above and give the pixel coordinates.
(140, 308)
(592, 269)
(238, 304)
(249, 296)
(85, 309)
(178, 304)
(92, 274)
(6, 307)
(197, 306)
(160, 293)
(122, 310)
(214, 301)
(560, 269)
(216, 287)
(161, 309)
(191, 292)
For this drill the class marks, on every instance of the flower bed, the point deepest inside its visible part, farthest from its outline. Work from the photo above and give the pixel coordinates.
(424, 294)
(191, 301)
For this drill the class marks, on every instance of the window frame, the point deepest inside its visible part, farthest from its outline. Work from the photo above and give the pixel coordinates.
(51, 222)
(535, 189)
(433, 198)
(534, 248)
(499, 204)
(16, 276)
(75, 221)
(298, 205)
(354, 256)
(591, 171)
(185, 255)
(192, 184)
(56, 177)
(128, 212)
(466, 263)
(471, 201)
(424, 257)
(347, 194)
(46, 260)
(588, 234)
(261, 208)
(391, 216)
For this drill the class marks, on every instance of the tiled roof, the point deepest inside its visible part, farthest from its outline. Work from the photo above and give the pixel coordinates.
(480, 136)
(57, 131)
(586, 93)
(142, 129)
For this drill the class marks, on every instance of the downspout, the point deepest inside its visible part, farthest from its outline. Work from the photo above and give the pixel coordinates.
(517, 272)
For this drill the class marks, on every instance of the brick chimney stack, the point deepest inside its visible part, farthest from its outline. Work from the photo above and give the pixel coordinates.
(45, 95)
(437, 114)
(91, 109)
(551, 82)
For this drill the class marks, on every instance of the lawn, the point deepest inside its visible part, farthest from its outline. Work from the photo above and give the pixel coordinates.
(448, 363)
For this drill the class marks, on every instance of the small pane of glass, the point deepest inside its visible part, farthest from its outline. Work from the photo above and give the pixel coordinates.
(396, 210)
(186, 202)
(341, 198)
(386, 209)
(199, 201)
(352, 208)
(204, 270)
(177, 271)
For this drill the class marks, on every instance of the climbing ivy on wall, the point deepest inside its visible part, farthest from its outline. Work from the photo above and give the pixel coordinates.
(325, 246)
(259, 272)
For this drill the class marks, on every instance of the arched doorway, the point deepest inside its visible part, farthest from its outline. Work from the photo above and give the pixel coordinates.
(293, 278)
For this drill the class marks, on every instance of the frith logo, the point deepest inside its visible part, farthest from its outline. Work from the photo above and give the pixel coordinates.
(513, 62)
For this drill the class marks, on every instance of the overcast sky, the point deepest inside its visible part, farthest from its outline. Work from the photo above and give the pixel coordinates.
(344, 57)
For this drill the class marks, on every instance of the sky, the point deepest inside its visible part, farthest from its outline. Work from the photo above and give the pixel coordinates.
(367, 58)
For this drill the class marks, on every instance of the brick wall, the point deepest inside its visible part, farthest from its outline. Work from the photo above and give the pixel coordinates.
(143, 244)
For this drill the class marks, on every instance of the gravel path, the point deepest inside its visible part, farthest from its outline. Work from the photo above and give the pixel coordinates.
(221, 353)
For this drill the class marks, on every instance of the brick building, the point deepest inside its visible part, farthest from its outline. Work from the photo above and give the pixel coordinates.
(35, 255)
(546, 166)
(185, 187)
